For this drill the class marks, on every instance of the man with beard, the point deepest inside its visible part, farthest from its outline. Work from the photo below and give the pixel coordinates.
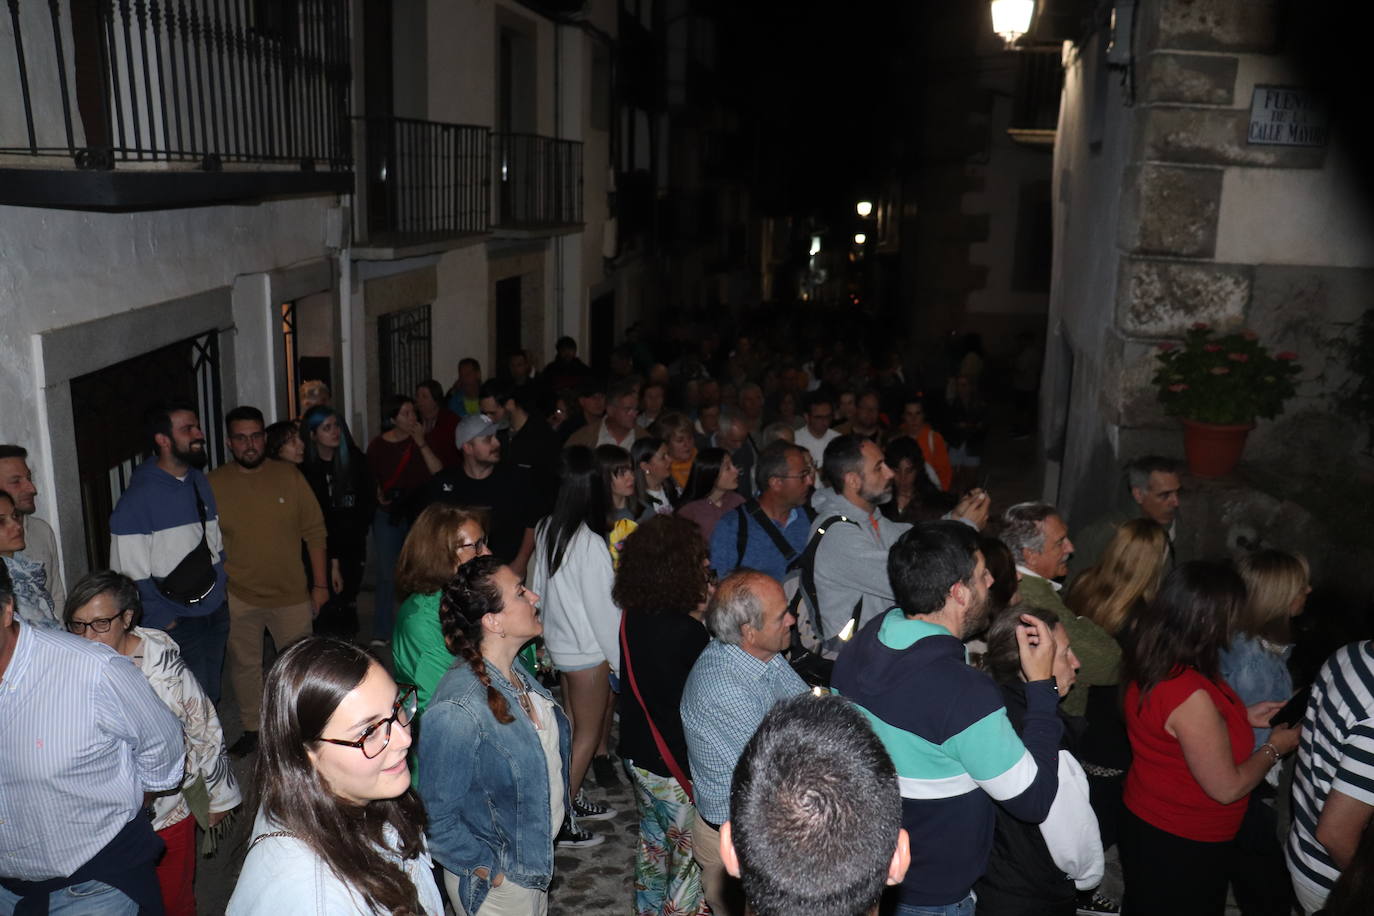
(944, 723)
(851, 558)
(157, 523)
(40, 544)
(267, 510)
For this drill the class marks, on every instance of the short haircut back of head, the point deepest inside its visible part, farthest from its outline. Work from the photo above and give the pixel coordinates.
(815, 811)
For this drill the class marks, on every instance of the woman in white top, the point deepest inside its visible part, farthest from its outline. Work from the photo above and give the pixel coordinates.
(571, 568)
(339, 830)
(105, 607)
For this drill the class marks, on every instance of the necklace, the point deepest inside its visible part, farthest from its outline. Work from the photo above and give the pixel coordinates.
(523, 695)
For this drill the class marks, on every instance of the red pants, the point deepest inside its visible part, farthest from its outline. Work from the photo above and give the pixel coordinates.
(176, 872)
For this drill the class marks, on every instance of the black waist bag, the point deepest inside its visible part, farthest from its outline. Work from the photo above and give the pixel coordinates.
(193, 579)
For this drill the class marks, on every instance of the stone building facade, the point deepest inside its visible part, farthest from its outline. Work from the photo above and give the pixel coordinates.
(1168, 213)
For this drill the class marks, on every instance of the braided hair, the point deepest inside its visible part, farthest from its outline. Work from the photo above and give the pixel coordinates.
(469, 596)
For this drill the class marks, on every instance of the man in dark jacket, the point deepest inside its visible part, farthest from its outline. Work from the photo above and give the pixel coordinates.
(943, 723)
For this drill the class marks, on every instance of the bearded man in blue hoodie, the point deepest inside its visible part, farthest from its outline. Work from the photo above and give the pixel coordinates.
(157, 523)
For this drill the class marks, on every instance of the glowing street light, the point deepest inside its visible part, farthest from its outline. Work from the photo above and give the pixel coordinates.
(860, 238)
(815, 246)
(864, 208)
(1012, 18)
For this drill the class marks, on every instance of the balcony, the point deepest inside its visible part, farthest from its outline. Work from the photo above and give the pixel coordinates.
(1035, 108)
(538, 185)
(148, 104)
(421, 185)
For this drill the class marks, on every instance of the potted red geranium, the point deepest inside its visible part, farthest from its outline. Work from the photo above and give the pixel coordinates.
(1217, 384)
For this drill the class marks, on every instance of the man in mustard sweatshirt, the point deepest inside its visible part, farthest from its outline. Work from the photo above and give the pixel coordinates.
(266, 509)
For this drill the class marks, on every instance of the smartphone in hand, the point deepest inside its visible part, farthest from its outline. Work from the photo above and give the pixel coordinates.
(1292, 711)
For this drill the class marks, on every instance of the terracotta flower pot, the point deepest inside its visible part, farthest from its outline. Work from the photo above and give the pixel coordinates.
(1214, 449)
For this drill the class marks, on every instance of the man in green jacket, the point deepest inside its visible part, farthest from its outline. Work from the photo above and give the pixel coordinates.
(1039, 542)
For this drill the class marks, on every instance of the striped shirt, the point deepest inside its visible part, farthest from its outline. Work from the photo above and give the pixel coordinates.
(1337, 752)
(82, 737)
(726, 697)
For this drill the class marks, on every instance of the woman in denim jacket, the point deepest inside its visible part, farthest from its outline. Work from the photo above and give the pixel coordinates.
(495, 750)
(1255, 664)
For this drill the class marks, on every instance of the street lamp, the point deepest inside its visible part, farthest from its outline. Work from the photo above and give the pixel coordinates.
(864, 208)
(815, 246)
(860, 238)
(1012, 18)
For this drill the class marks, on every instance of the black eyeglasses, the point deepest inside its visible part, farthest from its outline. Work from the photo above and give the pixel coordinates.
(98, 624)
(375, 738)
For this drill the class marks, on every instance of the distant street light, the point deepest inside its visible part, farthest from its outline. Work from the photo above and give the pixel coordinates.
(1012, 18)
(860, 238)
(815, 246)
(864, 207)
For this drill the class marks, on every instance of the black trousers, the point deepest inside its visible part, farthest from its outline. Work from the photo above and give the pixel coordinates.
(1167, 875)
(1258, 872)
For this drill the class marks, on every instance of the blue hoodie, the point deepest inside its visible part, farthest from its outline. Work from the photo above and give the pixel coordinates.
(153, 528)
(946, 728)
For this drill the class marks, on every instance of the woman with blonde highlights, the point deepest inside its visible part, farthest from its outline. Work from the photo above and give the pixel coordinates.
(1127, 577)
(1112, 594)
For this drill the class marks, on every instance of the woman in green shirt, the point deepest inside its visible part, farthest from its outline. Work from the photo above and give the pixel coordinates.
(442, 539)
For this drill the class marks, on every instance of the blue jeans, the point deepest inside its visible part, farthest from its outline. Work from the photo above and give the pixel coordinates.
(962, 908)
(201, 641)
(387, 539)
(83, 899)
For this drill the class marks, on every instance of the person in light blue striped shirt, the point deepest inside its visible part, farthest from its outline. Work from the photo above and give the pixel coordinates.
(83, 738)
(734, 683)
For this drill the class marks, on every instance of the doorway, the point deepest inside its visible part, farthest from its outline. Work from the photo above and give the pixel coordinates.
(107, 414)
(508, 330)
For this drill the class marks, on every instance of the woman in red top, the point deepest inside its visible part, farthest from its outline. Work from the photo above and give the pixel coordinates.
(1191, 737)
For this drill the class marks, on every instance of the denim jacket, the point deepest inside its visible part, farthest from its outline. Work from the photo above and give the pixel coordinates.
(486, 787)
(1257, 671)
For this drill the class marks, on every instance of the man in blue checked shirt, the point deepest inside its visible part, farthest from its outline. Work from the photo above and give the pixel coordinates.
(737, 678)
(83, 740)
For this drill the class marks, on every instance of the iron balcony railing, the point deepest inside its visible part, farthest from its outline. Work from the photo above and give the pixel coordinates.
(420, 179)
(538, 181)
(205, 82)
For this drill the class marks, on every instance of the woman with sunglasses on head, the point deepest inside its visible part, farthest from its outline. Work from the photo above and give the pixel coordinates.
(105, 607)
(496, 751)
(338, 830)
(443, 538)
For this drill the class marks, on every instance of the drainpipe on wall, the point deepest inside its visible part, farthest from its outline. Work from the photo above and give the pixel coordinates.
(355, 422)
(558, 290)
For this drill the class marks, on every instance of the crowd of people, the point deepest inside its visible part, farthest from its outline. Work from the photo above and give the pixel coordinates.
(842, 679)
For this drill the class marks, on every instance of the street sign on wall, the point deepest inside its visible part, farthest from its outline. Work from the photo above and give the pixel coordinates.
(1288, 116)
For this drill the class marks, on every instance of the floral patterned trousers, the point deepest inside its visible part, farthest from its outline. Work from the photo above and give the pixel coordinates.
(667, 878)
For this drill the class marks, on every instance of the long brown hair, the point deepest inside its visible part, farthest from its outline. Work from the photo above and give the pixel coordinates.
(430, 552)
(300, 694)
(1126, 578)
(468, 597)
(1186, 625)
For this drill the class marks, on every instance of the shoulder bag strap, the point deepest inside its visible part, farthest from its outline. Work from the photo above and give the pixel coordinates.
(661, 744)
(400, 467)
(789, 553)
(200, 510)
(806, 565)
(266, 836)
(741, 535)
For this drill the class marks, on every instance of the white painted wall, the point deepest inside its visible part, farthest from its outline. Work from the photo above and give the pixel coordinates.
(62, 268)
(459, 314)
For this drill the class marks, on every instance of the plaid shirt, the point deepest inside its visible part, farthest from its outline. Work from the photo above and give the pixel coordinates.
(727, 695)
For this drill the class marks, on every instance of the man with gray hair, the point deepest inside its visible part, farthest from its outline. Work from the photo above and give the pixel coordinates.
(769, 533)
(1154, 486)
(734, 683)
(1038, 539)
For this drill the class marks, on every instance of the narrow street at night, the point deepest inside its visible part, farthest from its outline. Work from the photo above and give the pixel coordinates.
(686, 458)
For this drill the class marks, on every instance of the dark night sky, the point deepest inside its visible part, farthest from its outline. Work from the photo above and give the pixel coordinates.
(817, 80)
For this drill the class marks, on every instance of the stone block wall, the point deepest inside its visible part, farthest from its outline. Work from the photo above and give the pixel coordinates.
(1209, 227)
